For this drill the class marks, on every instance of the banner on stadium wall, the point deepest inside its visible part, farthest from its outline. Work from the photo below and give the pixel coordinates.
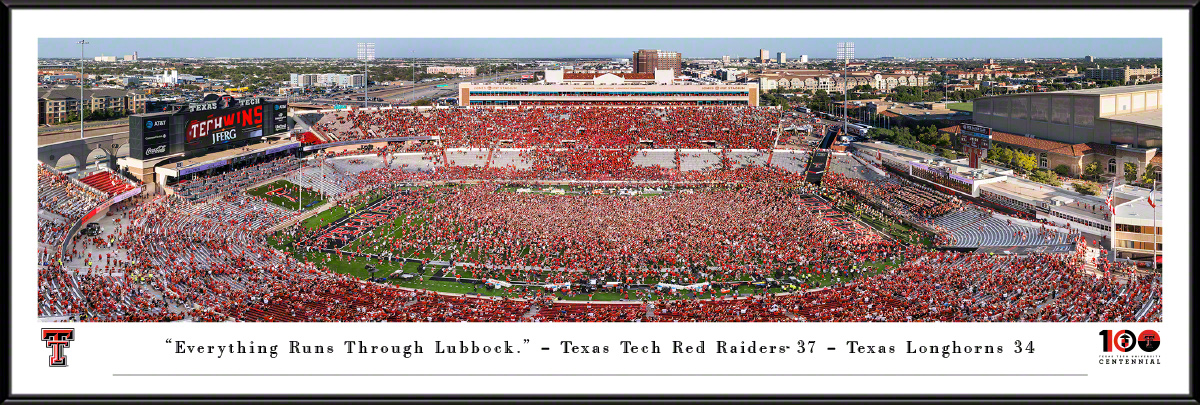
(281, 148)
(206, 166)
(497, 283)
(127, 194)
(366, 141)
(104, 207)
(557, 286)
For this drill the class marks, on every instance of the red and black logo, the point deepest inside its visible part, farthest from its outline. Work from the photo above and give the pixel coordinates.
(1148, 340)
(1125, 340)
(57, 340)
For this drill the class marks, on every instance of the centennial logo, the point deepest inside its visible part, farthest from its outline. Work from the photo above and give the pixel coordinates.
(57, 340)
(1125, 341)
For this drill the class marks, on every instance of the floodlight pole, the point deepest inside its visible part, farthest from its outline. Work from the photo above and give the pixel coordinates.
(413, 59)
(82, 43)
(846, 53)
(366, 53)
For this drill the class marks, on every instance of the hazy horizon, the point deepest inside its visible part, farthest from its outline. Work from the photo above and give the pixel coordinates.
(399, 48)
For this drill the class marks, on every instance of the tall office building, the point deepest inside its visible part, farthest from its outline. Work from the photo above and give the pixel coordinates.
(764, 55)
(803, 58)
(782, 57)
(725, 59)
(648, 60)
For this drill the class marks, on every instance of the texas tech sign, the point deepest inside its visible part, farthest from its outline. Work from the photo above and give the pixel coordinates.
(57, 340)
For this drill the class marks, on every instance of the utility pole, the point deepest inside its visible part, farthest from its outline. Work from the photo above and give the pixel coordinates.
(82, 43)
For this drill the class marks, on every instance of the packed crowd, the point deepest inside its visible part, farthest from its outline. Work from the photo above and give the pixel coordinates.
(714, 235)
(622, 127)
(59, 195)
(51, 231)
(218, 259)
(202, 187)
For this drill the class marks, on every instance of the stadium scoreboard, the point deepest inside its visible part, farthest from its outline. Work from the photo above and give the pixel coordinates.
(975, 136)
(975, 141)
(198, 126)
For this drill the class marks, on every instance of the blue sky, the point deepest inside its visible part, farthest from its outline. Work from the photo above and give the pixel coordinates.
(603, 47)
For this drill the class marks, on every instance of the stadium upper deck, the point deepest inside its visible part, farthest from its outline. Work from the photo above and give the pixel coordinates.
(601, 127)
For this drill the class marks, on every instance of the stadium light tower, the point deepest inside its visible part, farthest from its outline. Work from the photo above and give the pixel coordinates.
(82, 43)
(366, 53)
(845, 52)
(413, 58)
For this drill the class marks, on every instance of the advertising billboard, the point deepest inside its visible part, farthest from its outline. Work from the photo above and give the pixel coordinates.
(149, 136)
(278, 124)
(224, 121)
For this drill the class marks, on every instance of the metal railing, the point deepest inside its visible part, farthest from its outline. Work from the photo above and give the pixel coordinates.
(75, 127)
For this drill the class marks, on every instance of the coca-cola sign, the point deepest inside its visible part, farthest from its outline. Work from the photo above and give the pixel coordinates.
(155, 151)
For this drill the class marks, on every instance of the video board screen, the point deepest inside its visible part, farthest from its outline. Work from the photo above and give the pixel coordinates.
(975, 136)
(207, 124)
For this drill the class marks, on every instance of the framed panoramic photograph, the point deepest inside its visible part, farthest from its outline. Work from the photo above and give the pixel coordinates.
(571, 205)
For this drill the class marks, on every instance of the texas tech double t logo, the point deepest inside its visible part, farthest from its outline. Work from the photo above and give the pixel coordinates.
(57, 340)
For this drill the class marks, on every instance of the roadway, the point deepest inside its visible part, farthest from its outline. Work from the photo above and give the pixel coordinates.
(46, 139)
(406, 94)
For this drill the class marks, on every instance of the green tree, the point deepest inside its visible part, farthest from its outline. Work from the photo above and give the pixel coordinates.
(944, 140)
(1086, 188)
(881, 134)
(1024, 161)
(1062, 170)
(1092, 170)
(422, 102)
(949, 154)
(1044, 177)
(1001, 155)
(1131, 172)
(1148, 176)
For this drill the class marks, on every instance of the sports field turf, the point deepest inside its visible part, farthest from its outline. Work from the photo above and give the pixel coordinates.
(288, 195)
(967, 106)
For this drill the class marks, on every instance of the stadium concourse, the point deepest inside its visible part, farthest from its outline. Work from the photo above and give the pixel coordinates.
(563, 214)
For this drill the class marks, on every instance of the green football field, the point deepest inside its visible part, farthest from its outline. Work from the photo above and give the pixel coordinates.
(967, 106)
(288, 195)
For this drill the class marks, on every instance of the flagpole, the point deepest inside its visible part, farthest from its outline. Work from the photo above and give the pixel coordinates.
(1154, 209)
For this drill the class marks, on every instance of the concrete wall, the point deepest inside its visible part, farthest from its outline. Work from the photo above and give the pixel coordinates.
(80, 149)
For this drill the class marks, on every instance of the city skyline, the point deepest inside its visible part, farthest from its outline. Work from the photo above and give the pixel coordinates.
(400, 48)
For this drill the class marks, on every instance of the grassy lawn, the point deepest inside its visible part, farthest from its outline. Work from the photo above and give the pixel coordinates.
(290, 190)
(968, 106)
(324, 217)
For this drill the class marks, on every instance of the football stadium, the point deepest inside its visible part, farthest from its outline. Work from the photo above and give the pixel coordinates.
(242, 211)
